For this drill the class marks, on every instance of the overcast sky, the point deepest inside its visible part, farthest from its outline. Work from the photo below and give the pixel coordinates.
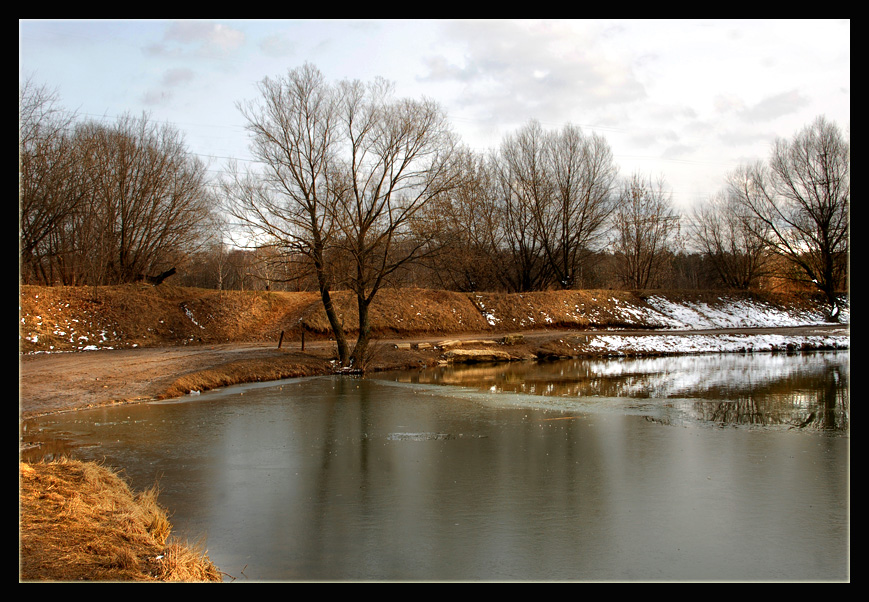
(686, 100)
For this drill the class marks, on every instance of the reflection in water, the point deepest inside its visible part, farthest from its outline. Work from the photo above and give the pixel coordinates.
(370, 479)
(802, 391)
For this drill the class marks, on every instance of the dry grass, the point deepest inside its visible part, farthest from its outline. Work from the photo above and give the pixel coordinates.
(283, 365)
(80, 521)
(139, 315)
(74, 318)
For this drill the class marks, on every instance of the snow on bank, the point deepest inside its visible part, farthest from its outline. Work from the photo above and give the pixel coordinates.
(722, 343)
(733, 313)
(726, 313)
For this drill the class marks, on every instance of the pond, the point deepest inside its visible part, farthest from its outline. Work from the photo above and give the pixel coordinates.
(716, 467)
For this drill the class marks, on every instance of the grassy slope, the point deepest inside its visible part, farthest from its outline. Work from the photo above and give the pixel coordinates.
(81, 521)
(75, 318)
(127, 539)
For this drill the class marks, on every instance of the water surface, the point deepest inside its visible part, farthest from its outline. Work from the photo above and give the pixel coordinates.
(711, 468)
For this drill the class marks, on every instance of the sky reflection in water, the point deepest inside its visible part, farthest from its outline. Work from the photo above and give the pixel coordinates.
(809, 391)
(607, 477)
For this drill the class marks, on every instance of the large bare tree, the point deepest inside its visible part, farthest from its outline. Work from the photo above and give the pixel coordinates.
(288, 200)
(464, 222)
(103, 204)
(799, 203)
(344, 169)
(584, 176)
(646, 225)
(722, 234)
(556, 193)
(147, 200)
(524, 192)
(398, 157)
(50, 178)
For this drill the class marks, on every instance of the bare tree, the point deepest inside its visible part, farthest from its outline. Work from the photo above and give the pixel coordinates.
(50, 178)
(344, 169)
(800, 204)
(556, 195)
(290, 201)
(398, 157)
(147, 198)
(524, 193)
(645, 226)
(103, 204)
(724, 237)
(583, 176)
(464, 223)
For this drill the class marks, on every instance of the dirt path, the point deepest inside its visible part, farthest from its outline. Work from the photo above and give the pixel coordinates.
(66, 381)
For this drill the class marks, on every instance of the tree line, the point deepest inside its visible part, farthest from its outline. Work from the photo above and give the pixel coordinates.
(103, 204)
(354, 188)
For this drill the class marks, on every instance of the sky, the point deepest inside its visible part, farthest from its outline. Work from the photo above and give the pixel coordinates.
(686, 100)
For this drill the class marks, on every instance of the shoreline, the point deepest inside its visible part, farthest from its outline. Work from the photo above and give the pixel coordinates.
(65, 382)
(92, 379)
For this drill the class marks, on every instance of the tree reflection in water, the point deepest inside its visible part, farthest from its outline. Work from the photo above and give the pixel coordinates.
(804, 390)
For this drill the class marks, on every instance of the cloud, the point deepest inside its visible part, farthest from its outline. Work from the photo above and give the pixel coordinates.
(649, 137)
(198, 38)
(277, 45)
(678, 151)
(156, 97)
(544, 69)
(175, 77)
(737, 137)
(774, 106)
(172, 79)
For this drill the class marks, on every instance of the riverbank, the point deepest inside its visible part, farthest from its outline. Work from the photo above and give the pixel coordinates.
(61, 319)
(89, 347)
(141, 342)
(80, 521)
(60, 382)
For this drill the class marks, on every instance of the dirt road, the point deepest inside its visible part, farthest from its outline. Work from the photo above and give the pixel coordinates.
(63, 381)
(66, 381)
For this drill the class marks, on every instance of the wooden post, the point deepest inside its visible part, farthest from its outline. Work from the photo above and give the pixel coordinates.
(281, 340)
(303, 337)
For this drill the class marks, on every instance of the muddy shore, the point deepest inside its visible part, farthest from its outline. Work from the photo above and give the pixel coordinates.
(59, 382)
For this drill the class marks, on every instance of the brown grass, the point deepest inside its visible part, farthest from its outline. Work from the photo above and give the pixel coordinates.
(289, 365)
(80, 521)
(75, 318)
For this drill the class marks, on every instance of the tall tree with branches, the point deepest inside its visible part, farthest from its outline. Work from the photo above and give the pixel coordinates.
(524, 194)
(288, 200)
(646, 225)
(799, 203)
(722, 234)
(583, 182)
(556, 194)
(398, 156)
(147, 200)
(343, 170)
(464, 222)
(51, 181)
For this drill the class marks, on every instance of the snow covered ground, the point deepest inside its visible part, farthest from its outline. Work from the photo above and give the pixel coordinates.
(741, 313)
(715, 343)
(733, 313)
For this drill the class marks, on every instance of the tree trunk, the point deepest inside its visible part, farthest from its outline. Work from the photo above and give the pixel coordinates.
(334, 322)
(358, 359)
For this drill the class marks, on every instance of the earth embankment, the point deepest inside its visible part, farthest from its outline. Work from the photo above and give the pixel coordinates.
(84, 346)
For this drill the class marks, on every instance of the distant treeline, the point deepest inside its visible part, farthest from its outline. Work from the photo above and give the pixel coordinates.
(108, 204)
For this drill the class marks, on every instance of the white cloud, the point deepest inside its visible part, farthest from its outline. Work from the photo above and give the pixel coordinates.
(685, 98)
(277, 45)
(177, 76)
(198, 38)
(522, 69)
(775, 106)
